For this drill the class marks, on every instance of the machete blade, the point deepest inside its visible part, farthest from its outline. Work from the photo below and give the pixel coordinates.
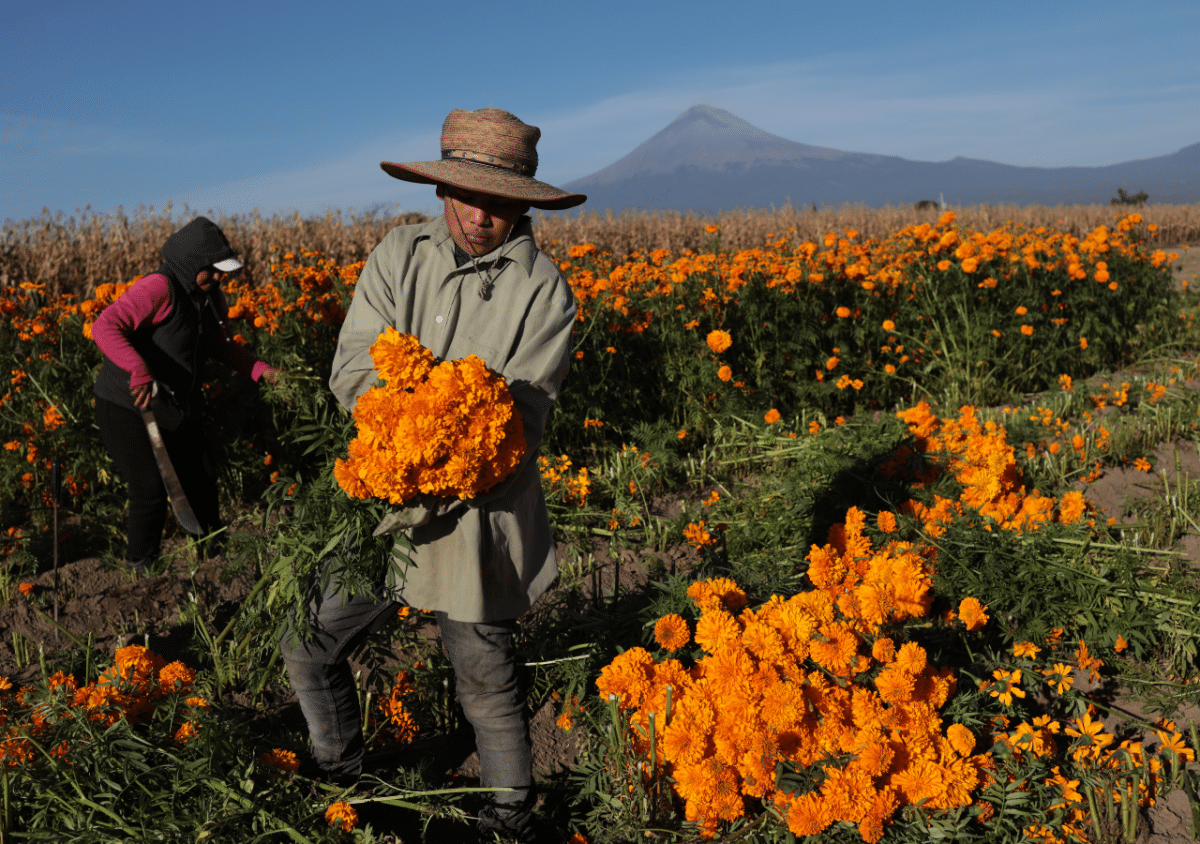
(179, 503)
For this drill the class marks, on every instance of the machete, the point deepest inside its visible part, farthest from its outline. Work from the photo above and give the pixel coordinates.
(179, 503)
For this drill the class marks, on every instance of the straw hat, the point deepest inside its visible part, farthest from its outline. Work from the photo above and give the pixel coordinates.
(488, 151)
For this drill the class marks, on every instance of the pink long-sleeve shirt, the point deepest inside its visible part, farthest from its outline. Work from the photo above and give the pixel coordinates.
(148, 303)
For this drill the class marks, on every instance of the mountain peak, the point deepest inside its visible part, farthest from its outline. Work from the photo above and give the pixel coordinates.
(710, 139)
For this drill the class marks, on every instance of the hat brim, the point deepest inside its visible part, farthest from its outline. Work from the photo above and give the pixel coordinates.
(483, 178)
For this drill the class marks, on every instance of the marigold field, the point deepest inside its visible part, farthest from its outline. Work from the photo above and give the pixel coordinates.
(830, 566)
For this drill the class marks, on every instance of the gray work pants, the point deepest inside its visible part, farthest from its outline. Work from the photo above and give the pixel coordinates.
(485, 672)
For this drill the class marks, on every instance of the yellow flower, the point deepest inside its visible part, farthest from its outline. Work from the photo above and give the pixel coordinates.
(1059, 677)
(1011, 689)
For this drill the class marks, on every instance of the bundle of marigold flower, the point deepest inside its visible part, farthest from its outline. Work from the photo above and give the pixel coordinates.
(443, 429)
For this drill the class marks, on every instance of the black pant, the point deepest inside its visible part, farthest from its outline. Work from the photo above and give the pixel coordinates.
(124, 436)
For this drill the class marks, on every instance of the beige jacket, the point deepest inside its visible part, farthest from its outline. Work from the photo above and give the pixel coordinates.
(491, 557)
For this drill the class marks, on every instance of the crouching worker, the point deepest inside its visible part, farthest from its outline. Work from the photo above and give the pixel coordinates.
(470, 282)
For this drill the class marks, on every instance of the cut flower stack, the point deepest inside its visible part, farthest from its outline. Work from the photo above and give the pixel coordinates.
(446, 429)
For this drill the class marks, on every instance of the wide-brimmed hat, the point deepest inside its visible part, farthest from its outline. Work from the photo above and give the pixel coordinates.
(488, 151)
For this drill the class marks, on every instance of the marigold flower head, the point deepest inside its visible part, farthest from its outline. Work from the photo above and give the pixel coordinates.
(188, 731)
(1028, 649)
(772, 416)
(284, 760)
(671, 632)
(724, 373)
(697, 535)
(972, 613)
(719, 341)
(343, 814)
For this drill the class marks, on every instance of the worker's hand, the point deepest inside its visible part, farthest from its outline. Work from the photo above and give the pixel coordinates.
(141, 394)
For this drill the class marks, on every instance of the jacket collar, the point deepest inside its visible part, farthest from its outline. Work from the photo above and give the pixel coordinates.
(520, 248)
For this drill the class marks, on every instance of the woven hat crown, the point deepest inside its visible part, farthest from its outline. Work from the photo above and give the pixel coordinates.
(491, 136)
(490, 151)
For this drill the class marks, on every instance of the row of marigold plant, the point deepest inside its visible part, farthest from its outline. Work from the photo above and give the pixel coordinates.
(931, 311)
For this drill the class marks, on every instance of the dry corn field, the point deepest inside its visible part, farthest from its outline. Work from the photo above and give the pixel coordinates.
(77, 253)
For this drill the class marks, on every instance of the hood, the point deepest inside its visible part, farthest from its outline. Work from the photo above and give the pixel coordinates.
(198, 245)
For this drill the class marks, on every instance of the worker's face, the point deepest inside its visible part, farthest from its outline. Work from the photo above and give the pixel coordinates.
(479, 222)
(209, 279)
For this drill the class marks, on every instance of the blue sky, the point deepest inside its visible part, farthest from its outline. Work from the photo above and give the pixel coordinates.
(283, 107)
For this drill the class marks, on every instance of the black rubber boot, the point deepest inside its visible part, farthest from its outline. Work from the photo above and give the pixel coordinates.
(510, 823)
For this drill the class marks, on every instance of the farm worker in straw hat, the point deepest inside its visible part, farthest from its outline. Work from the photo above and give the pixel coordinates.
(470, 282)
(155, 339)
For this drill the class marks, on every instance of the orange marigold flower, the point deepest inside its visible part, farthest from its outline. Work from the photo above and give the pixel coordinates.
(883, 650)
(719, 341)
(188, 731)
(1121, 644)
(1083, 342)
(886, 521)
(842, 312)
(888, 325)
(1027, 330)
(712, 228)
(671, 632)
(342, 813)
(1142, 464)
(961, 739)
(697, 535)
(284, 760)
(724, 373)
(814, 427)
(772, 416)
(1028, 649)
(25, 588)
(832, 362)
(972, 613)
